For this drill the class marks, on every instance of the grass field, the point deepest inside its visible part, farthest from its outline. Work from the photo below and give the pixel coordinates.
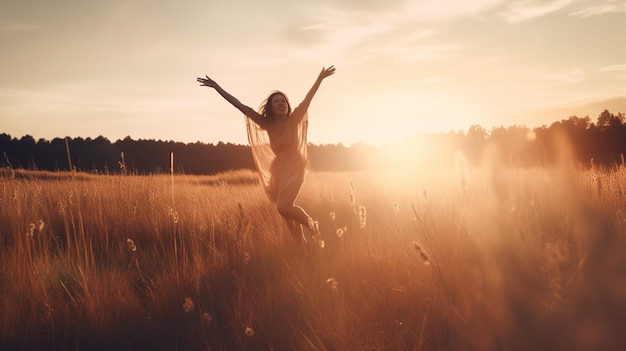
(464, 259)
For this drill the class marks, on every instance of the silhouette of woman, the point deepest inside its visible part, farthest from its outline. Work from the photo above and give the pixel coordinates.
(277, 137)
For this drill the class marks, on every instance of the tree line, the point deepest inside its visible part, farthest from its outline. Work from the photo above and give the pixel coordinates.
(602, 142)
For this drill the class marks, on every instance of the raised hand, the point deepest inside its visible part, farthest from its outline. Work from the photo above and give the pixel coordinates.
(207, 82)
(326, 72)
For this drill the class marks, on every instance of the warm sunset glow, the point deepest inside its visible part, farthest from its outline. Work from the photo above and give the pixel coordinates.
(129, 69)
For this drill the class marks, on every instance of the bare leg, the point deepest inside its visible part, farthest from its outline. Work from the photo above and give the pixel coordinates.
(288, 209)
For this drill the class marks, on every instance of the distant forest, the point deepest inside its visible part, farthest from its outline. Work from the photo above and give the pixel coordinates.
(602, 142)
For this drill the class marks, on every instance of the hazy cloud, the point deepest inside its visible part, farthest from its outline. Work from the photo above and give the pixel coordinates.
(614, 68)
(428, 10)
(524, 10)
(362, 34)
(411, 47)
(332, 32)
(574, 75)
(12, 27)
(596, 8)
(418, 53)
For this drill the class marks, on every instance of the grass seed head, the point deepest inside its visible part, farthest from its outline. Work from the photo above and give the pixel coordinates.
(188, 305)
(362, 216)
(315, 226)
(131, 245)
(422, 253)
(31, 230)
(40, 225)
(424, 257)
(416, 216)
(249, 332)
(340, 232)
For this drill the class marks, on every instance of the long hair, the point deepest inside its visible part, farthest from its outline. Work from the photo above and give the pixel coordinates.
(265, 109)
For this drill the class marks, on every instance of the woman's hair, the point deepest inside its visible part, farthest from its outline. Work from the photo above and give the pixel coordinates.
(266, 106)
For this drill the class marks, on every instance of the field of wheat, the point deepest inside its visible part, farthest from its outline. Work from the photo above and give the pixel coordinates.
(488, 258)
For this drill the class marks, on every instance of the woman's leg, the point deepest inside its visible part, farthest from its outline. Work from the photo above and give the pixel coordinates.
(286, 204)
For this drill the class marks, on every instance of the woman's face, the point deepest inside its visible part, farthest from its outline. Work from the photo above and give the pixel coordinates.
(280, 106)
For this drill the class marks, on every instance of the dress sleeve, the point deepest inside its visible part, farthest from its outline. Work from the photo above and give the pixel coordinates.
(261, 151)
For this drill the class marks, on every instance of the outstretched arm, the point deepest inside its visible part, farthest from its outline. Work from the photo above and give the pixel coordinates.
(252, 114)
(326, 72)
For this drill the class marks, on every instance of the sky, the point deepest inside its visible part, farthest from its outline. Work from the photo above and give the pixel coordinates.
(86, 68)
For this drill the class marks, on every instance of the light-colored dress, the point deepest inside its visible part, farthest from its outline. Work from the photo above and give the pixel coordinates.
(279, 149)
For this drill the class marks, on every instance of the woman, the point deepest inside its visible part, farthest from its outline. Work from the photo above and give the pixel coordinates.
(282, 160)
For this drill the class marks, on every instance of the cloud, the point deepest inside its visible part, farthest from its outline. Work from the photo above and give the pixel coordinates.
(12, 27)
(363, 33)
(433, 11)
(333, 31)
(409, 48)
(596, 8)
(525, 10)
(419, 53)
(614, 68)
(413, 10)
(580, 74)
(574, 75)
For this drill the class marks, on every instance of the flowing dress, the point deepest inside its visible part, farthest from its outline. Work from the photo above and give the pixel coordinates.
(279, 149)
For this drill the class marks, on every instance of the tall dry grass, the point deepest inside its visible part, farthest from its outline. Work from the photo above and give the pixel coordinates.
(469, 259)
